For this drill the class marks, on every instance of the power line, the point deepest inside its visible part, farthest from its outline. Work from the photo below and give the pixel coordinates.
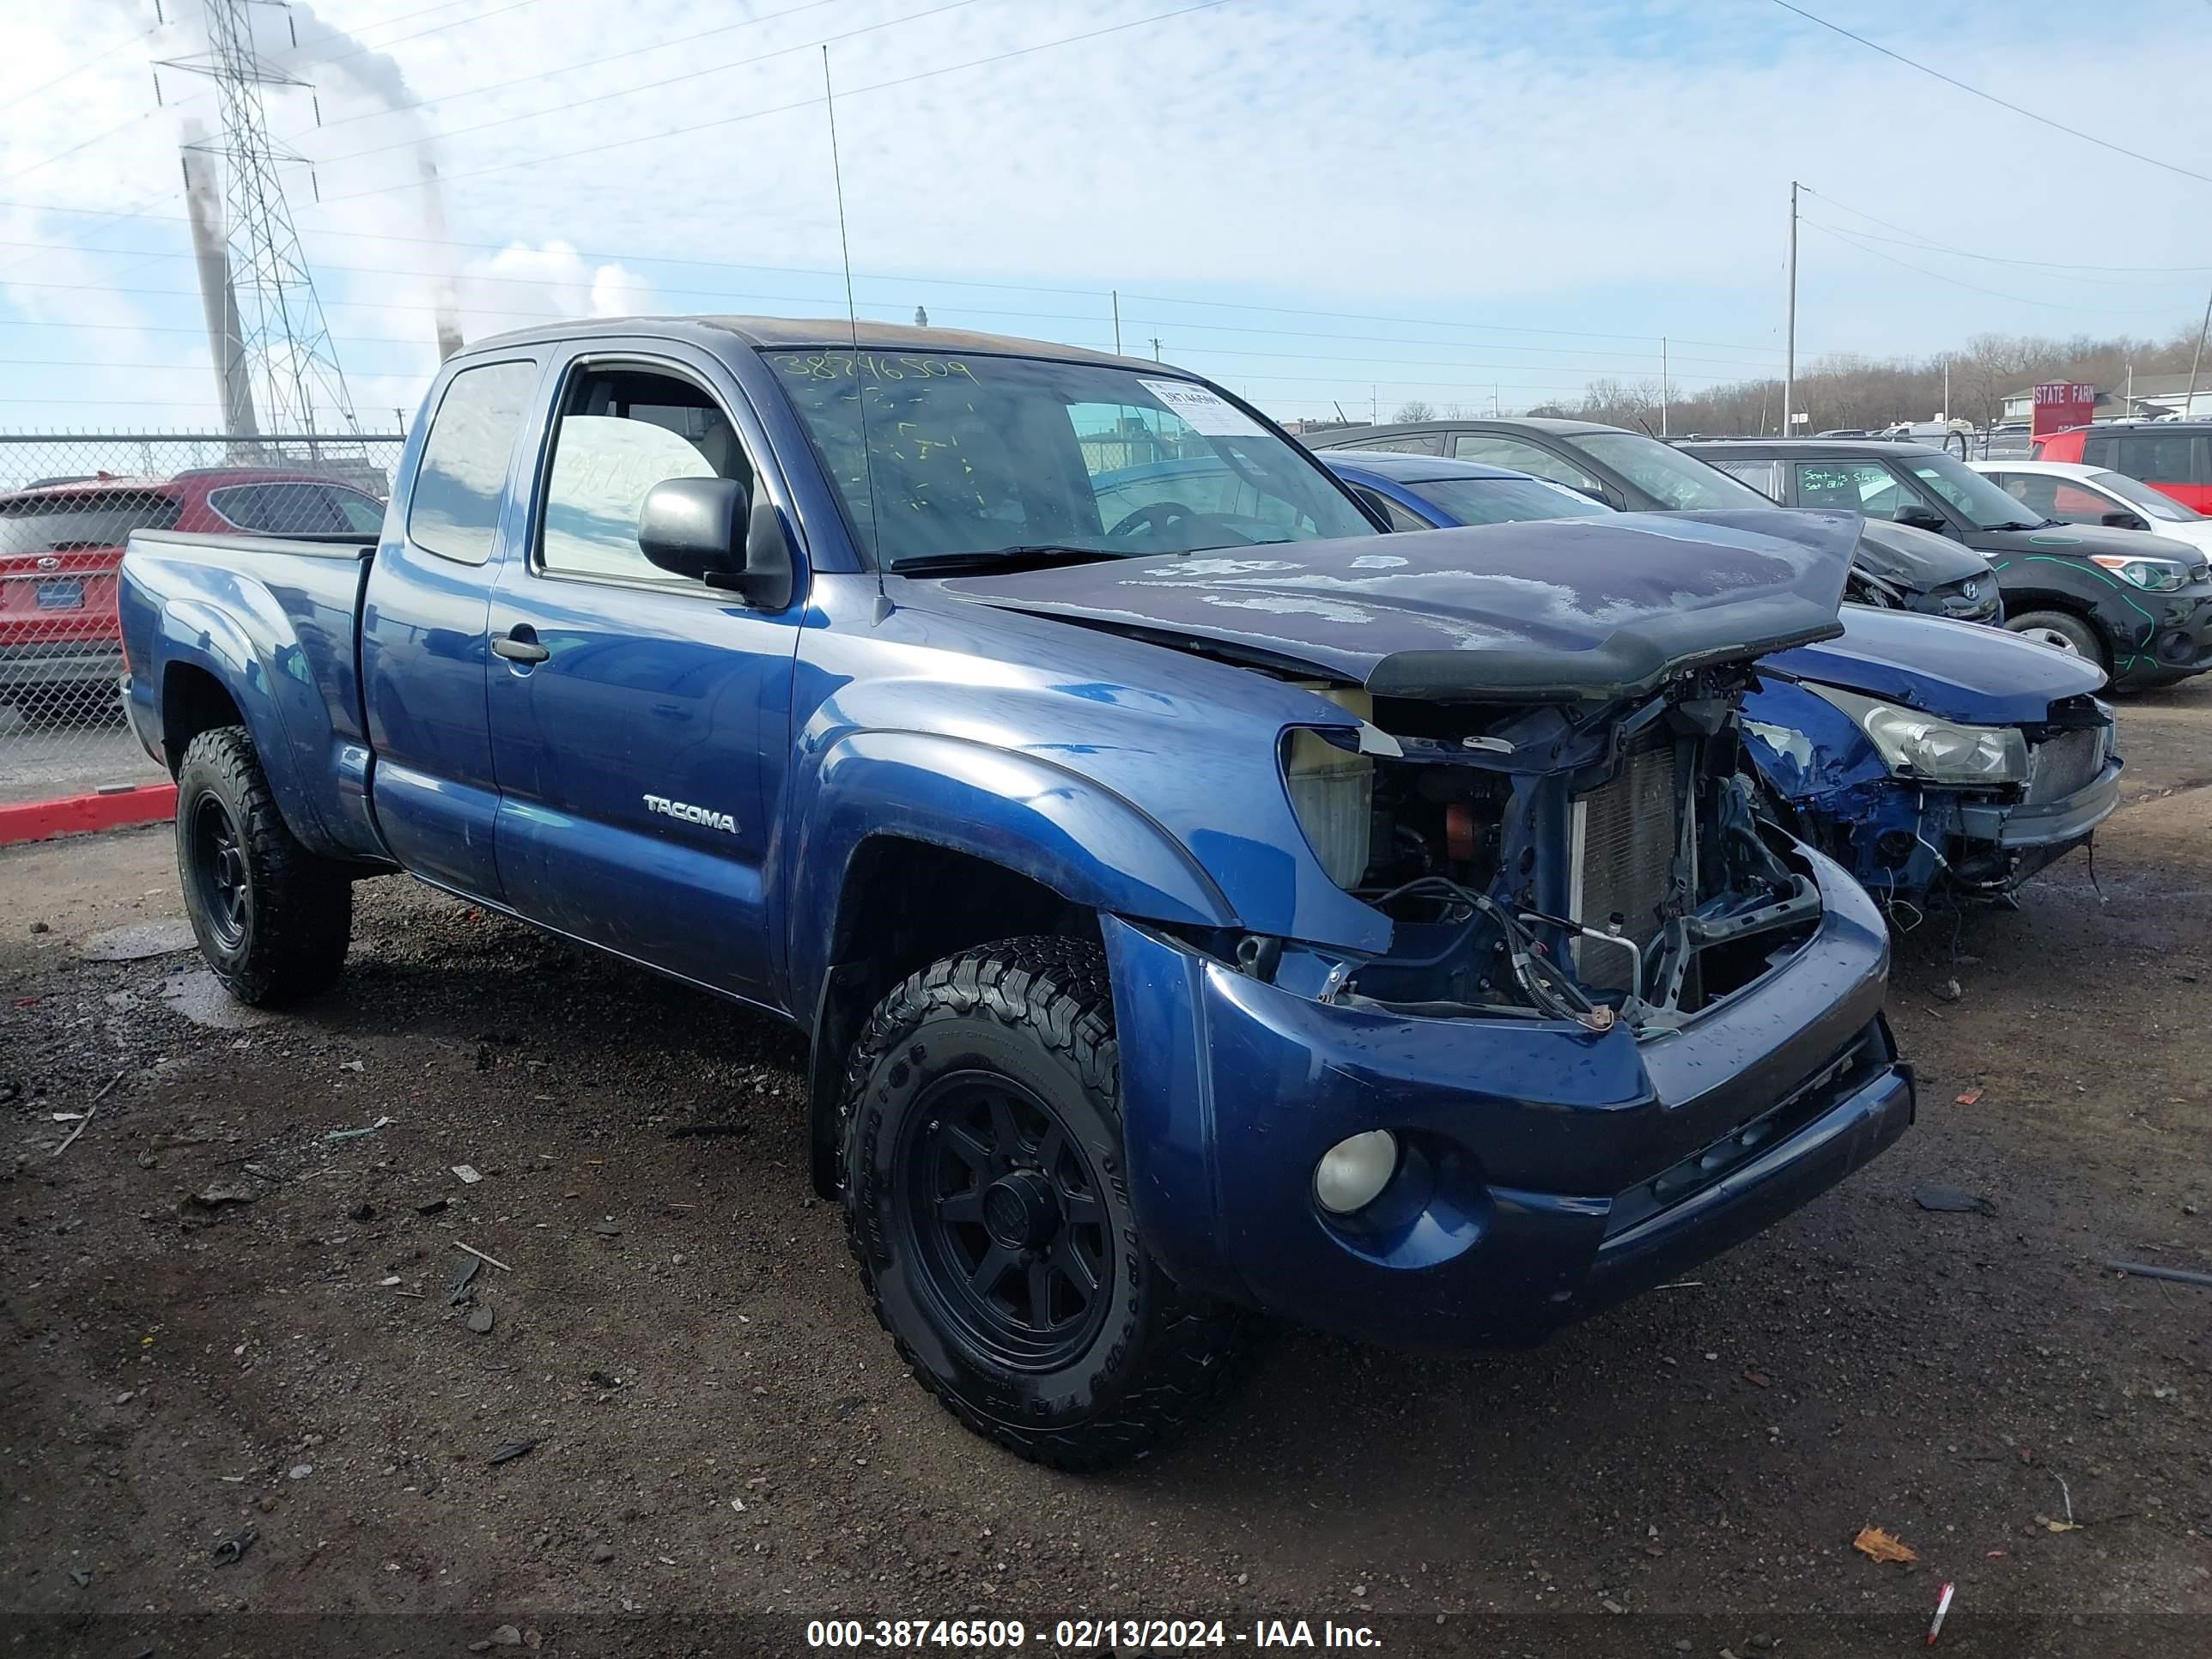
(16, 100)
(1930, 242)
(650, 86)
(1849, 239)
(1607, 365)
(595, 62)
(803, 103)
(1991, 97)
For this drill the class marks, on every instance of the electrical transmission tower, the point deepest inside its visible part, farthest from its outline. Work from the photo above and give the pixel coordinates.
(287, 341)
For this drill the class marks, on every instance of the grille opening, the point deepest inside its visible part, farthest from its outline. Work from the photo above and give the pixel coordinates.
(1624, 855)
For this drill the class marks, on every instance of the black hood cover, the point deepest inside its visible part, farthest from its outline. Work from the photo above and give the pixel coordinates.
(1548, 612)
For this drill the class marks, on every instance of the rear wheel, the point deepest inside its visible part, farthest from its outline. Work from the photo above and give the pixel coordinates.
(272, 918)
(985, 1197)
(2061, 630)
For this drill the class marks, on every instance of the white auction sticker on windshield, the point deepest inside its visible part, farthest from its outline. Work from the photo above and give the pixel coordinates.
(1203, 410)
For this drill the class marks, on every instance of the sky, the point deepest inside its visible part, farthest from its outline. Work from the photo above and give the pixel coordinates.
(1325, 207)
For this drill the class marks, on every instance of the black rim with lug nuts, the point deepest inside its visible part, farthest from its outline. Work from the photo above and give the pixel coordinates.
(219, 867)
(1008, 1224)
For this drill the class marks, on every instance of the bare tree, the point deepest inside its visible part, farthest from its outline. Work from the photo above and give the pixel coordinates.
(1415, 410)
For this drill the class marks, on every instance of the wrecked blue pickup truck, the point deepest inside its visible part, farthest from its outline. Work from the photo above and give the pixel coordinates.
(1931, 758)
(1196, 904)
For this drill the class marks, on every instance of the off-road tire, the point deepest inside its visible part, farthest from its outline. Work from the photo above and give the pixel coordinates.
(1038, 1009)
(298, 914)
(2065, 623)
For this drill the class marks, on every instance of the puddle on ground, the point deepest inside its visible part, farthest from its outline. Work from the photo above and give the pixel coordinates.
(199, 997)
(139, 940)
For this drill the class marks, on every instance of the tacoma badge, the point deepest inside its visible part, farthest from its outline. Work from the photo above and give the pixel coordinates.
(676, 809)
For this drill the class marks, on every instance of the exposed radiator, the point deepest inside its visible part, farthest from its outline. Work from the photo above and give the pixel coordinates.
(2060, 765)
(1625, 836)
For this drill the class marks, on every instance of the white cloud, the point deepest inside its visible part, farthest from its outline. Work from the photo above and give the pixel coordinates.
(522, 284)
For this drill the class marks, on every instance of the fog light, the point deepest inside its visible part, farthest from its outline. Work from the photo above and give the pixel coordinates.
(1353, 1171)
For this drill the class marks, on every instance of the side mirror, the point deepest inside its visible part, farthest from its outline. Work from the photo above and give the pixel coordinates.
(1920, 517)
(2124, 521)
(714, 530)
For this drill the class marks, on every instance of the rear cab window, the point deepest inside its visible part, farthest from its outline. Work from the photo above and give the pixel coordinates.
(298, 508)
(461, 484)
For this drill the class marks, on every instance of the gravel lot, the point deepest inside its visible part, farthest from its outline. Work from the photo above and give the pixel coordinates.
(217, 1318)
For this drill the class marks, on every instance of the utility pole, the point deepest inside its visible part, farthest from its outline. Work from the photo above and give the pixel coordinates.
(2127, 398)
(2189, 403)
(1946, 416)
(1663, 385)
(1790, 349)
(1117, 322)
(287, 340)
(1156, 348)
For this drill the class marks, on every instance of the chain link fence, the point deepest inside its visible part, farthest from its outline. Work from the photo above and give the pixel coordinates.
(67, 505)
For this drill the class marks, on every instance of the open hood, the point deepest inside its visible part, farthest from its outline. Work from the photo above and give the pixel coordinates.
(1548, 612)
(1954, 671)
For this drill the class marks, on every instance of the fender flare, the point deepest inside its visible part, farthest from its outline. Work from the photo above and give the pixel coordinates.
(197, 634)
(1019, 811)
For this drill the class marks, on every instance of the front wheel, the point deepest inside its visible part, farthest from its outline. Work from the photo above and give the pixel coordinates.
(986, 1202)
(272, 918)
(2062, 631)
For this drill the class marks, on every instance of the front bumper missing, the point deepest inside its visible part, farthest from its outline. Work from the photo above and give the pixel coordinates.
(2057, 824)
(1549, 1170)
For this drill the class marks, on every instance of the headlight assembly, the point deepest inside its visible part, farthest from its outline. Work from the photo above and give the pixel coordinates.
(2159, 575)
(1916, 745)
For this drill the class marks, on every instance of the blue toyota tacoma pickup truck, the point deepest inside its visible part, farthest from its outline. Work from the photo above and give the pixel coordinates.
(1196, 905)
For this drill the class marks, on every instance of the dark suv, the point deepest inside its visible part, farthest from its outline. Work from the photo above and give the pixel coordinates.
(1896, 566)
(2139, 605)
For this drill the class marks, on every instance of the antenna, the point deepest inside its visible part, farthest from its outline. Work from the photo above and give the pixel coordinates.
(853, 318)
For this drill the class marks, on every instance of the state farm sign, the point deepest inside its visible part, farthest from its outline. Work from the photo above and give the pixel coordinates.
(2060, 405)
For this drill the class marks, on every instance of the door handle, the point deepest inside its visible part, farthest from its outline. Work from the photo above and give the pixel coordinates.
(519, 650)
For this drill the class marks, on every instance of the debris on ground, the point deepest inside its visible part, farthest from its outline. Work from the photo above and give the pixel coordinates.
(431, 1205)
(1967, 1099)
(215, 1197)
(480, 1319)
(89, 1111)
(512, 1449)
(1758, 1379)
(234, 1547)
(469, 1176)
(1942, 1607)
(458, 1291)
(1873, 1542)
(604, 1380)
(481, 1256)
(1949, 991)
(355, 1134)
(607, 1229)
(2151, 1270)
(1952, 1201)
(353, 1066)
(301, 1471)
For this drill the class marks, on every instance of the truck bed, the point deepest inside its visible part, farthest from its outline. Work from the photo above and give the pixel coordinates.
(273, 619)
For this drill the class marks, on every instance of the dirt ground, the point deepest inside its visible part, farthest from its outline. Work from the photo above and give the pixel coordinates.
(218, 1319)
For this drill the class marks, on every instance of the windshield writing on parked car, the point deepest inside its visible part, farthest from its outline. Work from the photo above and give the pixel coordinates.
(985, 455)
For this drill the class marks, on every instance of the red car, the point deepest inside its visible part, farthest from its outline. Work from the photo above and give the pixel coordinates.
(61, 542)
(2171, 457)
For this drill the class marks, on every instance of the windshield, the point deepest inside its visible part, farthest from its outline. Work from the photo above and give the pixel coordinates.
(975, 455)
(1661, 469)
(1507, 501)
(2146, 501)
(1989, 506)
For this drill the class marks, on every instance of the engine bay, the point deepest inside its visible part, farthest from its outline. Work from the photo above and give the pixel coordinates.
(1599, 863)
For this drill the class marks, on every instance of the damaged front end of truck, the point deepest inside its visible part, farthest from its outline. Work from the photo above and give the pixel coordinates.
(1617, 1018)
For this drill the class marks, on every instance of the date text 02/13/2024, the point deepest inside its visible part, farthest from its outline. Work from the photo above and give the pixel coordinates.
(1084, 1634)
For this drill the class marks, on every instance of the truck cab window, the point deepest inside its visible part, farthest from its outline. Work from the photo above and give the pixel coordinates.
(462, 477)
(621, 431)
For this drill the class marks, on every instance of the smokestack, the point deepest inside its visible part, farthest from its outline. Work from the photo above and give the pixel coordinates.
(447, 316)
(218, 298)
